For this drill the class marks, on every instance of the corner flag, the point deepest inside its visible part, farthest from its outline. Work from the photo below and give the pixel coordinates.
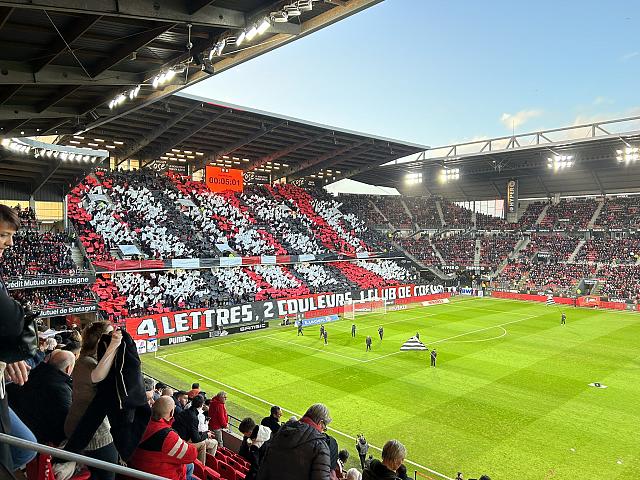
(413, 344)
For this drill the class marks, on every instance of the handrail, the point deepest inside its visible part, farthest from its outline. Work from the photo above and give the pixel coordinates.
(76, 457)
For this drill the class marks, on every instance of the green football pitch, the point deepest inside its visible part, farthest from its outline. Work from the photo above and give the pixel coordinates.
(510, 395)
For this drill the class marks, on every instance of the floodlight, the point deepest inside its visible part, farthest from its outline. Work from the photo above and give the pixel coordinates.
(241, 38)
(264, 26)
(251, 33)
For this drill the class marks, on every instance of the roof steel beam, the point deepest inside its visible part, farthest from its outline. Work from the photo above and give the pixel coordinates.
(135, 42)
(29, 112)
(310, 26)
(183, 136)
(155, 133)
(151, 10)
(61, 94)
(364, 168)
(5, 13)
(353, 152)
(7, 92)
(41, 182)
(302, 166)
(59, 46)
(19, 73)
(231, 147)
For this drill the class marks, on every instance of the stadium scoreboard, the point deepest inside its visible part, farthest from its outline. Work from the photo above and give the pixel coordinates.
(220, 179)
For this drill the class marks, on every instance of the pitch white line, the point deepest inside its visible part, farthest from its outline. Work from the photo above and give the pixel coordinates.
(266, 402)
(504, 332)
(313, 348)
(457, 336)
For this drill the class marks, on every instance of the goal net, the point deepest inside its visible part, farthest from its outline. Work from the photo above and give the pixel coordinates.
(359, 308)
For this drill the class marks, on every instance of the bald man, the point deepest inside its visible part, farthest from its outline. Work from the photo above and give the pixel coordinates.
(43, 402)
(161, 451)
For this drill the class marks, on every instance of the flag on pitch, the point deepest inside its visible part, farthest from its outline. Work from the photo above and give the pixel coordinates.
(413, 344)
(550, 300)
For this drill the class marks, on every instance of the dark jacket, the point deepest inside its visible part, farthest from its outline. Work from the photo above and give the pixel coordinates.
(121, 397)
(377, 471)
(272, 423)
(43, 402)
(297, 452)
(186, 424)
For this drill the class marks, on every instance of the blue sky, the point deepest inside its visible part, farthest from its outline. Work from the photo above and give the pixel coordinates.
(439, 72)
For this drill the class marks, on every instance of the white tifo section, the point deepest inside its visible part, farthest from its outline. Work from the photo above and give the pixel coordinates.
(387, 269)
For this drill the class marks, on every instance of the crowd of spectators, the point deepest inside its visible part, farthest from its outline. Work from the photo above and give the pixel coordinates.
(390, 270)
(393, 209)
(420, 248)
(569, 214)
(53, 297)
(529, 217)
(620, 282)
(562, 278)
(456, 216)
(495, 249)
(361, 206)
(321, 277)
(424, 211)
(620, 213)
(609, 250)
(489, 222)
(556, 246)
(37, 253)
(457, 249)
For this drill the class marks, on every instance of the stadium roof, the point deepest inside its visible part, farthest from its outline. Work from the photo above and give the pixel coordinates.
(197, 131)
(63, 61)
(485, 166)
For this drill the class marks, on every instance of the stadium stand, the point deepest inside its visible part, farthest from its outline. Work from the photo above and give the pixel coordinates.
(529, 217)
(424, 212)
(421, 248)
(458, 249)
(569, 214)
(37, 253)
(456, 216)
(392, 208)
(619, 213)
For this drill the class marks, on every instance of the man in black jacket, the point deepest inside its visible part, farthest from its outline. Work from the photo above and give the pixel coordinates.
(273, 420)
(393, 454)
(44, 401)
(186, 424)
(299, 450)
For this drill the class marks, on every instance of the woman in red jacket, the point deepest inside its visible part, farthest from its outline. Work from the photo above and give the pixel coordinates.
(218, 418)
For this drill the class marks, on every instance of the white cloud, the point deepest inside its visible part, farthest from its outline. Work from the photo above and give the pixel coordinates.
(515, 120)
(628, 56)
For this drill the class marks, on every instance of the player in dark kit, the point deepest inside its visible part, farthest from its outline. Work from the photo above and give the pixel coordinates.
(300, 332)
(321, 331)
(563, 319)
(434, 355)
(325, 336)
(368, 342)
(381, 332)
(353, 330)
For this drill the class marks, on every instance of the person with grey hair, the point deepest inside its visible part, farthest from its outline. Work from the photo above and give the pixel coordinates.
(218, 418)
(353, 474)
(393, 454)
(299, 450)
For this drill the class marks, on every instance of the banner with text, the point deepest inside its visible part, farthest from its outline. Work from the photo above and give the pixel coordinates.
(40, 282)
(188, 322)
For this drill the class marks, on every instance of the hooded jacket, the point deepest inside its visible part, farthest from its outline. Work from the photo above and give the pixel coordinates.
(252, 449)
(186, 424)
(377, 471)
(297, 452)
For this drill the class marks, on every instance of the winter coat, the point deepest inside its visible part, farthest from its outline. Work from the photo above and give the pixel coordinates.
(253, 448)
(377, 471)
(272, 423)
(43, 403)
(297, 452)
(218, 417)
(186, 424)
(121, 397)
(162, 452)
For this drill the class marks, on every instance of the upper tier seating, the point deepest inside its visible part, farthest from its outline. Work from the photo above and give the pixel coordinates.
(573, 214)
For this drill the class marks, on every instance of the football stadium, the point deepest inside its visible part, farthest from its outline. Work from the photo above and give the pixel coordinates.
(195, 289)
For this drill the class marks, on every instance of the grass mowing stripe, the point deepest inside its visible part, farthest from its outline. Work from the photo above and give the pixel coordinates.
(266, 402)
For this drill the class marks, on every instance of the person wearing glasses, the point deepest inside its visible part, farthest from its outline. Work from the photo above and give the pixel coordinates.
(299, 450)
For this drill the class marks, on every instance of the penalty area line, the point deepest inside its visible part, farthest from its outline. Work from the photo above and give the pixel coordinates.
(266, 402)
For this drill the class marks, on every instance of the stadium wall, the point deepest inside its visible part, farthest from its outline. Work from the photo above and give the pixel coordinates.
(579, 301)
